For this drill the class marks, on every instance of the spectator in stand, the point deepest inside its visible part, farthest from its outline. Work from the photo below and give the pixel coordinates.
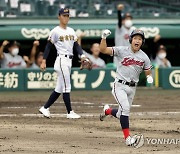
(159, 53)
(161, 60)
(36, 57)
(12, 59)
(97, 62)
(123, 29)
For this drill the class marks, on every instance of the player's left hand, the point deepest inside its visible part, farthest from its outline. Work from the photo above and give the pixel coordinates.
(105, 33)
(149, 79)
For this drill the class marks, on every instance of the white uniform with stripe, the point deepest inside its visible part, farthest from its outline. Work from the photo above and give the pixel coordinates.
(129, 67)
(63, 39)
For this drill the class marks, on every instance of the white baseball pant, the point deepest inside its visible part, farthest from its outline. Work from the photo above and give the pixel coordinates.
(124, 96)
(63, 68)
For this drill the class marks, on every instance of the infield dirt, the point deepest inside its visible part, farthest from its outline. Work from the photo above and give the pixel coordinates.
(156, 115)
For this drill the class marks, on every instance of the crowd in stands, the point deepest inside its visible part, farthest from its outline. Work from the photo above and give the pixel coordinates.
(11, 59)
(89, 8)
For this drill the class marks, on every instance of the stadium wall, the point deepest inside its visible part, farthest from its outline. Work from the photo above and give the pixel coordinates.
(97, 79)
(30, 29)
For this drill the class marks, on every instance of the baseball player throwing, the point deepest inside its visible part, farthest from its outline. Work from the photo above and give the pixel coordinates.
(65, 41)
(131, 61)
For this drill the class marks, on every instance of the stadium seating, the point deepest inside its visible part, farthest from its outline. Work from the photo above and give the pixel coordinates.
(41, 7)
(89, 8)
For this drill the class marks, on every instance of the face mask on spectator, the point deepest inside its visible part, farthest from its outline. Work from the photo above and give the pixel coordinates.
(15, 51)
(162, 55)
(128, 23)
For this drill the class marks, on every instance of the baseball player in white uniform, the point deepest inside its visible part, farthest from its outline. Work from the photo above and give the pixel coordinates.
(65, 40)
(131, 62)
(11, 59)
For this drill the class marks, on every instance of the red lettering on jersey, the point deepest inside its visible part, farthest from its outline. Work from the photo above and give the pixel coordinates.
(11, 64)
(131, 61)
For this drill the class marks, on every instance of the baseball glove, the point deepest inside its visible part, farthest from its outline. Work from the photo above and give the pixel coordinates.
(85, 63)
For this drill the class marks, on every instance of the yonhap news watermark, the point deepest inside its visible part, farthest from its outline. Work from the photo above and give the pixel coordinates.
(141, 140)
(162, 141)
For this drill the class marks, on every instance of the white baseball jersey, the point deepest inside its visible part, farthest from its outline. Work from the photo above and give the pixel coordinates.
(63, 39)
(96, 62)
(130, 64)
(10, 61)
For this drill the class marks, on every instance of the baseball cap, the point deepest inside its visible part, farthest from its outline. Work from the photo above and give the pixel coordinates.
(64, 11)
(14, 43)
(126, 15)
(162, 47)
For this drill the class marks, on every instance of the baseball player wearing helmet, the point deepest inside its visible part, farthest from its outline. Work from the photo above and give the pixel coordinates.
(65, 40)
(131, 62)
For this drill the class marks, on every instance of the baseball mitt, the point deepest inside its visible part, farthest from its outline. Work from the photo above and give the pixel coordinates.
(85, 63)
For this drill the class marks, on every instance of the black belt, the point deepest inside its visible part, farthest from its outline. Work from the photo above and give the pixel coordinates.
(68, 56)
(131, 84)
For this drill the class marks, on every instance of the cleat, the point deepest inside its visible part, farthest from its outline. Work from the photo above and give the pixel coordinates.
(45, 112)
(73, 115)
(130, 141)
(103, 115)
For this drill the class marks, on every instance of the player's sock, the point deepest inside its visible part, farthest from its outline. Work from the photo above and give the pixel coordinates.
(108, 111)
(124, 120)
(67, 101)
(53, 97)
(126, 132)
(113, 112)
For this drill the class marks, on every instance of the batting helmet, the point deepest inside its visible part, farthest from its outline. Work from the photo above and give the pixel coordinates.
(137, 32)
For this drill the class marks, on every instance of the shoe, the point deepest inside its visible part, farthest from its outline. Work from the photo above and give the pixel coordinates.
(103, 115)
(130, 141)
(73, 115)
(45, 112)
